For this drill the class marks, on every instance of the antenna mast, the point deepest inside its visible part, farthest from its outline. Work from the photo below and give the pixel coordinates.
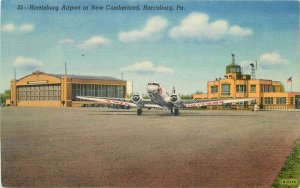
(233, 59)
(253, 69)
(66, 68)
(15, 73)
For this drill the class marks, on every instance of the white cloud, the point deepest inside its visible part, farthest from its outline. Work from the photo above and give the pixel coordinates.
(23, 28)
(163, 70)
(93, 42)
(272, 58)
(27, 62)
(141, 67)
(238, 31)
(196, 25)
(151, 31)
(265, 61)
(66, 41)
(26, 28)
(8, 27)
(146, 67)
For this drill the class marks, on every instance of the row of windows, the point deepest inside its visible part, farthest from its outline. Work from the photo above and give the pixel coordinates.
(53, 92)
(226, 89)
(267, 88)
(40, 98)
(39, 87)
(235, 69)
(38, 92)
(279, 100)
(242, 89)
(97, 90)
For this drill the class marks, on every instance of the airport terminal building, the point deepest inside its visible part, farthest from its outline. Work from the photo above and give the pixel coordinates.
(42, 89)
(269, 94)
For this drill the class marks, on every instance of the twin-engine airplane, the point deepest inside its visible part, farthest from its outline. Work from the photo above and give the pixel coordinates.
(160, 98)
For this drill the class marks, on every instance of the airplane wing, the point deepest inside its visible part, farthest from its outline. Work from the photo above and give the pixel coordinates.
(118, 101)
(121, 101)
(214, 102)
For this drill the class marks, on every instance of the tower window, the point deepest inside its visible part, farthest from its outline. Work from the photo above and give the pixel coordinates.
(241, 88)
(214, 89)
(225, 89)
(253, 88)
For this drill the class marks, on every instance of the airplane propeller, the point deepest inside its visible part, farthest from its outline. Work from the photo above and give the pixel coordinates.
(173, 98)
(136, 98)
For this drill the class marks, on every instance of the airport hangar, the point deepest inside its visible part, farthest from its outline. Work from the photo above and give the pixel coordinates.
(57, 90)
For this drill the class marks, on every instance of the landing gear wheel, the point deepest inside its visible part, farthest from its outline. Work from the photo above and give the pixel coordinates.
(139, 112)
(171, 111)
(176, 112)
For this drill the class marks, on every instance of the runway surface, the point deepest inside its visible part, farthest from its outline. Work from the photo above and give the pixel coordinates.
(102, 147)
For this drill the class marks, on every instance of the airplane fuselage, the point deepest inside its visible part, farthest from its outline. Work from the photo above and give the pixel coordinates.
(159, 95)
(161, 101)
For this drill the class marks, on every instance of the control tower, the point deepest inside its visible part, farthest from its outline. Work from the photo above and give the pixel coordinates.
(233, 70)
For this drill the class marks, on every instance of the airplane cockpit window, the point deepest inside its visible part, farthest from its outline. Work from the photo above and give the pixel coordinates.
(153, 84)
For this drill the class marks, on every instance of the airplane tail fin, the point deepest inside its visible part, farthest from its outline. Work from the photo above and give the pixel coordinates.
(173, 91)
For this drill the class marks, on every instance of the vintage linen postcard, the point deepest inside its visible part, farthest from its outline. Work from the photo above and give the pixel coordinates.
(123, 93)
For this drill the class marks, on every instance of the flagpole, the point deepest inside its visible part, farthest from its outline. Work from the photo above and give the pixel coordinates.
(290, 81)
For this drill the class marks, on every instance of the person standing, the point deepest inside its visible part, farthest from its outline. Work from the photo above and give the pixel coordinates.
(255, 108)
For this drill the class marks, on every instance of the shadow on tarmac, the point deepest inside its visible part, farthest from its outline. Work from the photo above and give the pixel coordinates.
(149, 114)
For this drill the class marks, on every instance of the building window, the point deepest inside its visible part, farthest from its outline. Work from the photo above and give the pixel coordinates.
(225, 89)
(120, 91)
(111, 91)
(241, 88)
(90, 89)
(97, 90)
(281, 100)
(253, 88)
(269, 100)
(103, 91)
(214, 89)
(263, 88)
(270, 88)
(267, 88)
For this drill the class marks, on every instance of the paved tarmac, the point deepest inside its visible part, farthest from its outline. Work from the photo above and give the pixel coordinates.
(103, 147)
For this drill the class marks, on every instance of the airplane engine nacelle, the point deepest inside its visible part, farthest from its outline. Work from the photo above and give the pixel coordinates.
(136, 99)
(173, 98)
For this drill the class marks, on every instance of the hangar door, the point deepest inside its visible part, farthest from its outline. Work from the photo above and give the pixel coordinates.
(39, 92)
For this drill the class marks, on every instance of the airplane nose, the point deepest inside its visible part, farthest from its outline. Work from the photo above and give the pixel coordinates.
(151, 89)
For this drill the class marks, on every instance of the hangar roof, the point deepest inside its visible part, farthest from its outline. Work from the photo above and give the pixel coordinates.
(86, 77)
(104, 78)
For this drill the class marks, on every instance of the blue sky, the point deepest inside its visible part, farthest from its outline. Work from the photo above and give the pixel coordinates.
(181, 48)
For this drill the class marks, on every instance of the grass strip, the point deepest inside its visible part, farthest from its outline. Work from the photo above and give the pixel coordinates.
(289, 176)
